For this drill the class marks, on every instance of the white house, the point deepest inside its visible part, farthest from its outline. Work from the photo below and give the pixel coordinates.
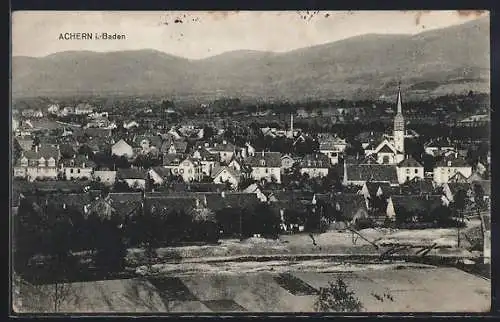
(408, 169)
(188, 168)
(39, 163)
(227, 174)
(254, 188)
(265, 166)
(332, 147)
(448, 167)
(129, 125)
(135, 178)
(208, 161)
(315, 165)
(53, 109)
(122, 148)
(79, 167)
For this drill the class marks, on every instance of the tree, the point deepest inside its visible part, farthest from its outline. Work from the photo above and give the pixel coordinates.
(337, 298)
(479, 197)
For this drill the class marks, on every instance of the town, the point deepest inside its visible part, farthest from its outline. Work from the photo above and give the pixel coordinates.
(202, 180)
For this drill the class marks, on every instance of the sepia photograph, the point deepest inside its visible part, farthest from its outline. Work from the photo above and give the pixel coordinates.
(223, 162)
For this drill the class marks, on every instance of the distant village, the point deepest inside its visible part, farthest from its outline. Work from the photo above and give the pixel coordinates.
(128, 167)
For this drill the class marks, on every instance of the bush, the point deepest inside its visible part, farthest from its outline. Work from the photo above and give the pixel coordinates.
(337, 298)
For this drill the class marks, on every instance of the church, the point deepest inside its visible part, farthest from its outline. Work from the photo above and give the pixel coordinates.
(392, 148)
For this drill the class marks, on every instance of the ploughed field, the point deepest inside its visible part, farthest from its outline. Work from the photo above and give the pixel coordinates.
(272, 288)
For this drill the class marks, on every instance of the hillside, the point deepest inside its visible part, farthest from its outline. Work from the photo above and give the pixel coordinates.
(437, 62)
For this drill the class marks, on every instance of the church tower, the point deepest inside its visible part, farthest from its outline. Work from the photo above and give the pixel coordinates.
(399, 127)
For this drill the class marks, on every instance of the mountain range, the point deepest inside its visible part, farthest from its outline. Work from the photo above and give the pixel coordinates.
(455, 59)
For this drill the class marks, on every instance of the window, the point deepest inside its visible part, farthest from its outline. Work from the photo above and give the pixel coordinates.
(78, 171)
(407, 178)
(71, 171)
(262, 162)
(385, 159)
(416, 171)
(190, 171)
(267, 170)
(407, 171)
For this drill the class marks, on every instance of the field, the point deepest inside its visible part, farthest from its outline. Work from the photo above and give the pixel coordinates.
(384, 289)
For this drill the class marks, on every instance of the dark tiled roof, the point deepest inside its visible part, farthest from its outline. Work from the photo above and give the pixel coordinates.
(454, 162)
(231, 200)
(198, 187)
(372, 172)
(416, 203)
(271, 159)
(234, 173)
(349, 204)
(79, 161)
(410, 162)
(162, 172)
(173, 159)
(25, 144)
(206, 155)
(131, 173)
(170, 204)
(179, 145)
(456, 186)
(228, 147)
(316, 160)
(417, 186)
(373, 187)
(125, 196)
(66, 186)
(458, 177)
(45, 151)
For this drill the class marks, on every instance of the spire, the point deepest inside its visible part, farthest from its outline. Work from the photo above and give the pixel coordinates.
(399, 99)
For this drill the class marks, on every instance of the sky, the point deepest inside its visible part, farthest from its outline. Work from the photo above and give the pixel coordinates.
(204, 34)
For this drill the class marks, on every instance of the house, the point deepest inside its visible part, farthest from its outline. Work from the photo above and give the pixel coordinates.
(416, 186)
(106, 176)
(225, 150)
(39, 163)
(83, 108)
(79, 167)
(197, 187)
(358, 174)
(208, 161)
(254, 188)
(332, 147)
(385, 153)
(159, 175)
(408, 169)
(265, 166)
(188, 168)
(228, 175)
(135, 178)
(122, 148)
(375, 189)
(287, 162)
(170, 146)
(450, 190)
(236, 164)
(448, 167)
(399, 205)
(314, 165)
(352, 206)
(459, 177)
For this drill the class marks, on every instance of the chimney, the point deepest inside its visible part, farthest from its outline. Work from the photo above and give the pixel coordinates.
(262, 152)
(36, 148)
(224, 142)
(223, 194)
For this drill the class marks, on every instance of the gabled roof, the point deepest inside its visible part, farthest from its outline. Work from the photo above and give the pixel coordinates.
(179, 145)
(228, 147)
(121, 142)
(416, 203)
(316, 160)
(271, 159)
(385, 149)
(162, 172)
(25, 143)
(173, 159)
(410, 162)
(234, 173)
(417, 186)
(79, 161)
(374, 186)
(45, 151)
(131, 173)
(456, 186)
(453, 162)
(349, 204)
(206, 155)
(458, 177)
(371, 172)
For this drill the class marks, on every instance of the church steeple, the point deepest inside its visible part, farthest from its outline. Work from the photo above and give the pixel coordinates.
(400, 109)
(399, 125)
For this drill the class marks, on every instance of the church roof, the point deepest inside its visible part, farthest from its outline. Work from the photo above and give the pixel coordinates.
(371, 172)
(410, 162)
